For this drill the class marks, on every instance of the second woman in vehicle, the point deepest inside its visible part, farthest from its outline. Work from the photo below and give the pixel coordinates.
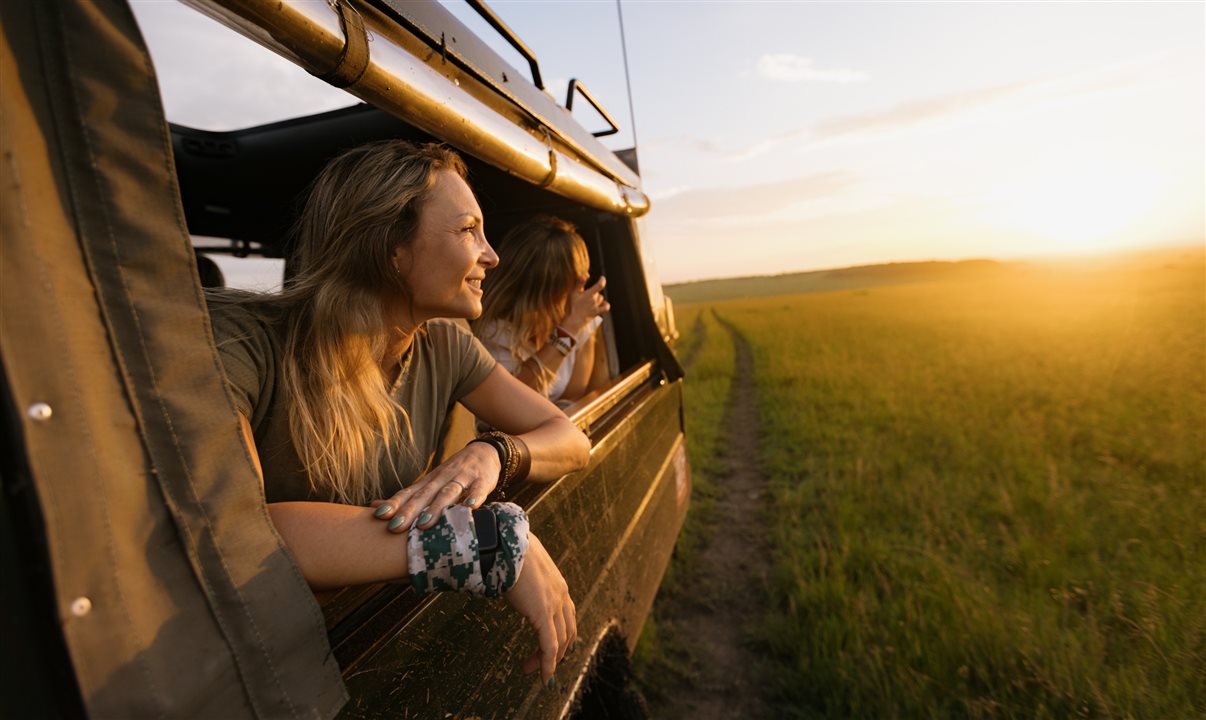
(343, 380)
(539, 318)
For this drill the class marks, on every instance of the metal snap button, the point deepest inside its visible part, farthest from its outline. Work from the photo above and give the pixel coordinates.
(81, 606)
(39, 411)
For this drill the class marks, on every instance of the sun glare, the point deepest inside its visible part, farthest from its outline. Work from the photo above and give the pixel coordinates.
(1077, 210)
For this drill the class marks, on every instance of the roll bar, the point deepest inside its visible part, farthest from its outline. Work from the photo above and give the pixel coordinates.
(312, 35)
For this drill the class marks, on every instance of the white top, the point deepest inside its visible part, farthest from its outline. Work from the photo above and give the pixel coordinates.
(498, 337)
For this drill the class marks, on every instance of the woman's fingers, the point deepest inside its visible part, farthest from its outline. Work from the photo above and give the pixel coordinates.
(549, 647)
(476, 492)
(387, 510)
(469, 476)
(562, 636)
(586, 303)
(570, 620)
(446, 496)
(416, 508)
(426, 505)
(542, 597)
(408, 505)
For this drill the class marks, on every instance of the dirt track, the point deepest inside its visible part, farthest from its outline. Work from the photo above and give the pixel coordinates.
(725, 593)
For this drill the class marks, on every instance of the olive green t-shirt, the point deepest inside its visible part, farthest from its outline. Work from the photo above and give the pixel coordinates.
(442, 365)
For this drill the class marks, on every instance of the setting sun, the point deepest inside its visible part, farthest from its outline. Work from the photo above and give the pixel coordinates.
(1077, 209)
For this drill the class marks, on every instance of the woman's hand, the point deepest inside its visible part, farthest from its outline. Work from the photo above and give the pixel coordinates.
(469, 476)
(585, 304)
(541, 596)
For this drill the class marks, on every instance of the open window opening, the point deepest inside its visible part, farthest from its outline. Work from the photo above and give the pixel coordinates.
(242, 191)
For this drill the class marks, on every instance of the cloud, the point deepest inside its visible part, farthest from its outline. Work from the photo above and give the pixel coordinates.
(915, 112)
(951, 107)
(753, 203)
(793, 68)
(906, 115)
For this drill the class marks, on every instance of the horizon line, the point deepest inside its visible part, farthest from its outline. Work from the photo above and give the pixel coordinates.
(1199, 245)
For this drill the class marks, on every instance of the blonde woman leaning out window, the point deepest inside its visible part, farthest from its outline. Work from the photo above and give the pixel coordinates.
(343, 381)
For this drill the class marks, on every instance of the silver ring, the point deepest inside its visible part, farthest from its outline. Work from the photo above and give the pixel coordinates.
(458, 483)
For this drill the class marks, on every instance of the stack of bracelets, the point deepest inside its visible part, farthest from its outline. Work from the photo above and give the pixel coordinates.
(512, 454)
(479, 552)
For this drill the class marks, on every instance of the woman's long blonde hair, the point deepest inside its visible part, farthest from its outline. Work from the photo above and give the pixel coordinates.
(343, 418)
(540, 261)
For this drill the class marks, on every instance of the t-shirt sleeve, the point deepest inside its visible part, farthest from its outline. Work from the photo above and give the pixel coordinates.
(246, 354)
(476, 362)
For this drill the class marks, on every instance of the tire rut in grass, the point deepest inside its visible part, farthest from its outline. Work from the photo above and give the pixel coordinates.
(699, 334)
(725, 593)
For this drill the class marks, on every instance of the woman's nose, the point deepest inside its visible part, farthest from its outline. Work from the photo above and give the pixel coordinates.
(489, 258)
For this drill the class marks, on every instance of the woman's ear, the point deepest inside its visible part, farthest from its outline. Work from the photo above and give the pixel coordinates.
(400, 259)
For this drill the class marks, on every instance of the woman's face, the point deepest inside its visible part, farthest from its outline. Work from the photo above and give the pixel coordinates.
(448, 259)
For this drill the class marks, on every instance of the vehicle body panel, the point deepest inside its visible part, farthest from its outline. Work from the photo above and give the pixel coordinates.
(610, 531)
(155, 529)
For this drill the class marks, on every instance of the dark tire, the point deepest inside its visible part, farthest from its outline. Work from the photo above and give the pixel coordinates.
(610, 691)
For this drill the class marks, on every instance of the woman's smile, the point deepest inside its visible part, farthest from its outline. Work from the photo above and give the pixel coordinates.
(449, 257)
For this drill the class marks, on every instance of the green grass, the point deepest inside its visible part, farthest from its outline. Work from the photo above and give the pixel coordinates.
(660, 653)
(864, 276)
(990, 494)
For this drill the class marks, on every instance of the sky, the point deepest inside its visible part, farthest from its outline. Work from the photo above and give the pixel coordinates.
(786, 136)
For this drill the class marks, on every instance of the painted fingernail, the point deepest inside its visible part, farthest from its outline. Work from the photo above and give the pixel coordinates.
(397, 522)
(382, 510)
(424, 517)
(552, 683)
(470, 501)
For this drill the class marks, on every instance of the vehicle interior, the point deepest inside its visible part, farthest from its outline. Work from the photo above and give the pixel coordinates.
(241, 190)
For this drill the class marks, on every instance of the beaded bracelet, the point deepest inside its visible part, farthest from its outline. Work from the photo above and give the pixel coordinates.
(562, 340)
(447, 556)
(513, 455)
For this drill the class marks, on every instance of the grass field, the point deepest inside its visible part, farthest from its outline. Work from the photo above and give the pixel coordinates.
(990, 493)
(706, 347)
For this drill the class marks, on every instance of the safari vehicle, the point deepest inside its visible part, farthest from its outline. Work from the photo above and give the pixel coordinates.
(142, 577)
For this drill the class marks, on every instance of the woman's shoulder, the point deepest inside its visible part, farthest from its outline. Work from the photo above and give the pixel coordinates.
(240, 315)
(447, 338)
(445, 330)
(454, 348)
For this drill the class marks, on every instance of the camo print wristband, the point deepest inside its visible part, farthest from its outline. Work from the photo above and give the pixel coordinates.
(512, 548)
(445, 557)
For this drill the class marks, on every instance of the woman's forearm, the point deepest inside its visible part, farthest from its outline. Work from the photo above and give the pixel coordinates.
(339, 545)
(584, 363)
(540, 368)
(558, 447)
